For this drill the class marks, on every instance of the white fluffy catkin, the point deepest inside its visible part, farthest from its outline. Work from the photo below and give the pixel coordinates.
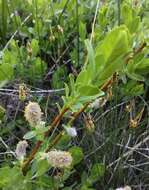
(59, 159)
(33, 113)
(21, 149)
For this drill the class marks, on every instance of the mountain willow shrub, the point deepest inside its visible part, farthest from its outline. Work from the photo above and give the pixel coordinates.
(117, 54)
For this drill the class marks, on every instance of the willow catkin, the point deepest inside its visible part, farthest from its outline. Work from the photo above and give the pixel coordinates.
(33, 113)
(59, 159)
(21, 149)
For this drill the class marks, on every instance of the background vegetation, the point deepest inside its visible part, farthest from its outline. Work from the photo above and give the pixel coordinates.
(88, 62)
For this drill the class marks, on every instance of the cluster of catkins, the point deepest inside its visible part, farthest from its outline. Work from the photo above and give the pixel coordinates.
(56, 158)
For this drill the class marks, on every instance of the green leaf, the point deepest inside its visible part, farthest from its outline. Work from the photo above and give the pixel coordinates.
(57, 77)
(115, 44)
(88, 90)
(134, 76)
(82, 30)
(35, 46)
(142, 67)
(130, 71)
(10, 177)
(72, 84)
(2, 112)
(67, 91)
(6, 71)
(100, 63)
(83, 78)
(97, 171)
(76, 107)
(132, 88)
(77, 154)
(134, 25)
(85, 99)
(41, 167)
(126, 12)
(30, 135)
(91, 58)
(130, 18)
(67, 173)
(4, 18)
(39, 66)
(90, 51)
(41, 128)
(102, 17)
(45, 182)
(64, 142)
(109, 70)
(5, 175)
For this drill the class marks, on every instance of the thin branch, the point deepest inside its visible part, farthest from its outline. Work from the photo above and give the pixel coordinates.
(15, 33)
(55, 141)
(33, 91)
(31, 157)
(94, 21)
(130, 152)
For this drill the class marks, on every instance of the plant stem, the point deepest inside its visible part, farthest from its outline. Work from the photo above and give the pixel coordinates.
(136, 51)
(55, 141)
(76, 114)
(119, 12)
(56, 121)
(31, 157)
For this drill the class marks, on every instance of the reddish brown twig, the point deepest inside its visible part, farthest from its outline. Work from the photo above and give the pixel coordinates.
(30, 158)
(135, 52)
(56, 121)
(76, 114)
(55, 141)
